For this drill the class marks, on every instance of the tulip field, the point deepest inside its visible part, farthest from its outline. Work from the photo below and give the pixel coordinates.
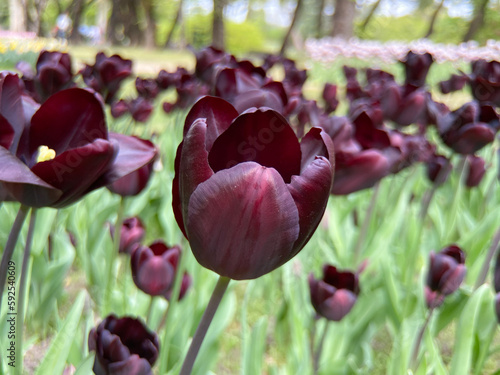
(251, 215)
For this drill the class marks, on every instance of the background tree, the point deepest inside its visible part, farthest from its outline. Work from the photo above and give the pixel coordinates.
(296, 15)
(343, 19)
(218, 24)
(477, 21)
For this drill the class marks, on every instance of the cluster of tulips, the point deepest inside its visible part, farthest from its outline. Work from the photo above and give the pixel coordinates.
(253, 174)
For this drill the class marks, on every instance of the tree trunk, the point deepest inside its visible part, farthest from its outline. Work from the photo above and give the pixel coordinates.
(113, 23)
(433, 19)
(319, 19)
(343, 19)
(150, 32)
(17, 16)
(476, 22)
(103, 7)
(75, 13)
(178, 17)
(298, 9)
(218, 24)
(370, 15)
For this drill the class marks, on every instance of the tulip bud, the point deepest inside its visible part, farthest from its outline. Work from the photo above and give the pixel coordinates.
(335, 294)
(475, 172)
(123, 346)
(131, 234)
(446, 273)
(154, 267)
(438, 169)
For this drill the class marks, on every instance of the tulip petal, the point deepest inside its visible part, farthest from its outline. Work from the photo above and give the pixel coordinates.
(259, 135)
(74, 171)
(338, 305)
(310, 191)
(176, 195)
(242, 222)
(133, 154)
(194, 158)
(473, 137)
(6, 133)
(68, 119)
(134, 365)
(25, 186)
(218, 114)
(11, 106)
(316, 143)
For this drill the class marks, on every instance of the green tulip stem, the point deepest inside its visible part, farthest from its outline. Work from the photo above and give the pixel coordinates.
(426, 201)
(22, 293)
(418, 341)
(317, 354)
(366, 222)
(174, 299)
(114, 253)
(150, 310)
(487, 261)
(206, 319)
(10, 246)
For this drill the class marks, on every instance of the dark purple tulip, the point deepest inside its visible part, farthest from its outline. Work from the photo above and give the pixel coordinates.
(376, 75)
(258, 98)
(107, 74)
(154, 266)
(207, 60)
(54, 73)
(438, 169)
(469, 128)
(485, 81)
(147, 87)
(140, 109)
(123, 346)
(131, 234)
(119, 108)
(330, 97)
(66, 152)
(335, 294)
(231, 82)
(446, 273)
(455, 83)
(135, 182)
(185, 285)
(248, 171)
(416, 68)
(360, 170)
(402, 104)
(475, 171)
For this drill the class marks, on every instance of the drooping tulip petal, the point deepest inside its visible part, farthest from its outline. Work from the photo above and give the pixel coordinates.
(316, 143)
(11, 106)
(75, 170)
(25, 186)
(244, 220)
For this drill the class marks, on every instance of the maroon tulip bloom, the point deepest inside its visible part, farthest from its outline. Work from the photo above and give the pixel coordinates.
(140, 109)
(416, 68)
(123, 346)
(207, 61)
(335, 294)
(131, 234)
(119, 108)
(475, 171)
(107, 74)
(446, 273)
(246, 193)
(134, 183)
(438, 169)
(485, 81)
(469, 128)
(402, 104)
(330, 97)
(455, 83)
(185, 285)
(153, 267)
(65, 152)
(147, 87)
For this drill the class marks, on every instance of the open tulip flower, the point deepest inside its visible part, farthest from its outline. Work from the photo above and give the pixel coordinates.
(123, 346)
(65, 151)
(132, 233)
(416, 67)
(485, 81)
(335, 294)
(446, 273)
(154, 267)
(246, 193)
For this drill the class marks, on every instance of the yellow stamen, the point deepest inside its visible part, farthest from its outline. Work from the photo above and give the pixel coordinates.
(45, 153)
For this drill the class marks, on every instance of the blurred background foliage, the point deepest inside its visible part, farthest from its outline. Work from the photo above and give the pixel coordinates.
(250, 25)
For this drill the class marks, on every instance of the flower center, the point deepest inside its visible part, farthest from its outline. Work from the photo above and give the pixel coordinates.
(45, 154)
